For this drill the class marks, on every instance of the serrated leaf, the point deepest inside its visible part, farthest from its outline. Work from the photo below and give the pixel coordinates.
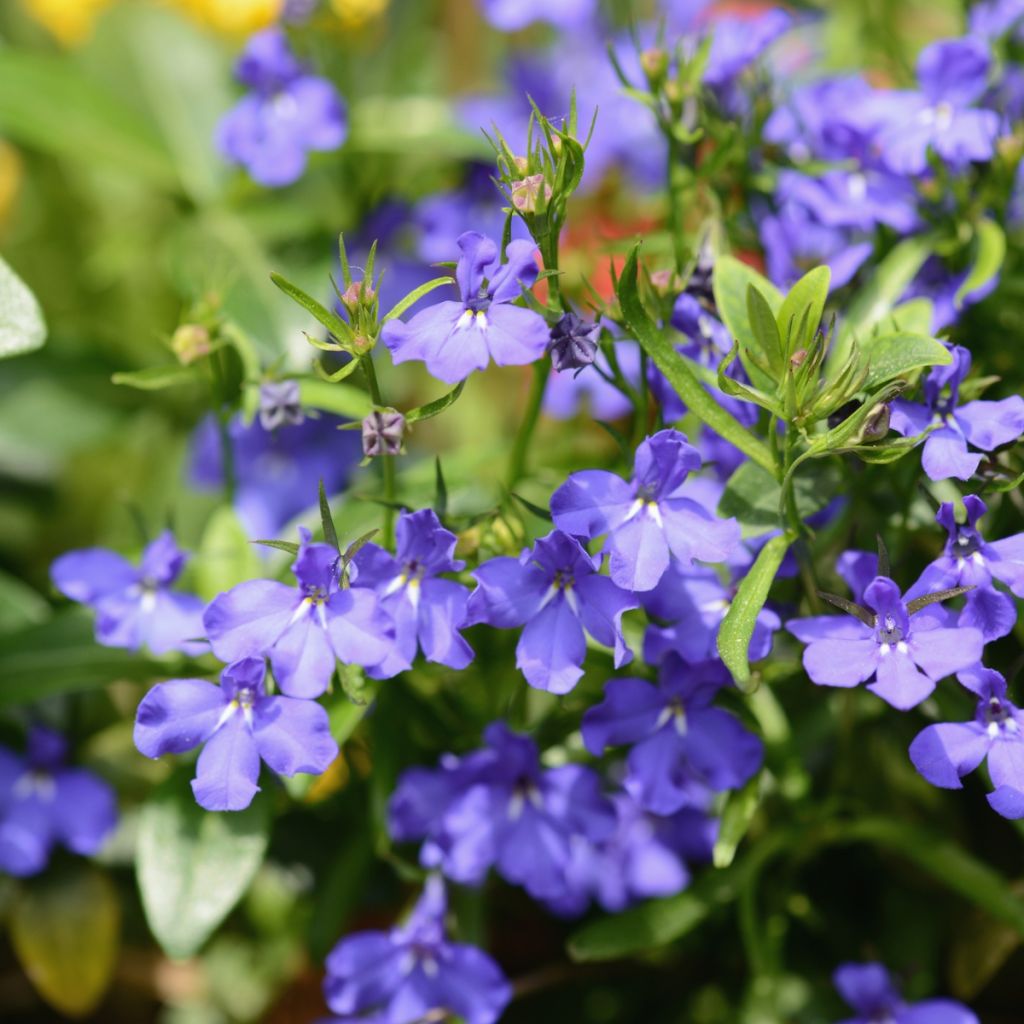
(989, 253)
(678, 373)
(156, 378)
(65, 928)
(425, 412)
(192, 865)
(22, 328)
(888, 356)
(738, 625)
(802, 309)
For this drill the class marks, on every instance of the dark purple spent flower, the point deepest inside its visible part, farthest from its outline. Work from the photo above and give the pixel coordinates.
(573, 343)
(383, 433)
(280, 404)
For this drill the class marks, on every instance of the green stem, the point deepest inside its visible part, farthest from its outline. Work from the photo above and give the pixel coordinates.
(677, 185)
(227, 452)
(517, 461)
(387, 465)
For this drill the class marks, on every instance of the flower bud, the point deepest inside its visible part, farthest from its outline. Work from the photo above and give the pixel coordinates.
(654, 63)
(573, 343)
(190, 342)
(280, 404)
(526, 193)
(357, 294)
(383, 432)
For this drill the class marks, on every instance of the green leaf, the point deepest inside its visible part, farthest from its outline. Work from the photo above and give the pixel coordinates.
(440, 505)
(740, 807)
(334, 323)
(425, 412)
(764, 327)
(281, 545)
(341, 399)
(327, 520)
(156, 378)
(738, 625)
(876, 300)
(913, 316)
(752, 496)
(679, 375)
(65, 927)
(990, 251)
(193, 866)
(731, 281)
(21, 320)
(414, 296)
(889, 356)
(38, 91)
(20, 605)
(803, 306)
(225, 556)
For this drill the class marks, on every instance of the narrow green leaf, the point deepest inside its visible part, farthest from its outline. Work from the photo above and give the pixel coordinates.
(65, 927)
(440, 491)
(1007, 485)
(327, 520)
(156, 378)
(540, 513)
(738, 625)
(425, 412)
(414, 296)
(990, 251)
(764, 327)
(193, 866)
(21, 320)
(802, 309)
(330, 320)
(282, 545)
(740, 807)
(679, 375)
(888, 356)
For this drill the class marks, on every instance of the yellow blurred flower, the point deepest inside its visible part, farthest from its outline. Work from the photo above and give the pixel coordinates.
(356, 13)
(70, 21)
(10, 177)
(236, 17)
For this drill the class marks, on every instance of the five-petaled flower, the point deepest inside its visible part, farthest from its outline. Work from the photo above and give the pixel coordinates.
(871, 993)
(239, 725)
(454, 338)
(304, 629)
(134, 606)
(555, 591)
(648, 518)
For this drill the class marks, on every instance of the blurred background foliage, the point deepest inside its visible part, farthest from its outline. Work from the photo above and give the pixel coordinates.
(117, 211)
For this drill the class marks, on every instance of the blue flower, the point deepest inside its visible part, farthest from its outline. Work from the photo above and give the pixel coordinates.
(968, 560)
(981, 424)
(497, 807)
(414, 972)
(43, 803)
(456, 338)
(513, 15)
(677, 737)
(303, 629)
(134, 606)
(648, 518)
(872, 994)
(906, 657)
(427, 610)
(556, 593)
(946, 752)
(288, 113)
(568, 391)
(240, 726)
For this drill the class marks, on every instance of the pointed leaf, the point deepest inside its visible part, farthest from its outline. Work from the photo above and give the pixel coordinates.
(740, 807)
(888, 356)
(414, 296)
(990, 251)
(764, 327)
(329, 319)
(327, 520)
(802, 309)
(425, 412)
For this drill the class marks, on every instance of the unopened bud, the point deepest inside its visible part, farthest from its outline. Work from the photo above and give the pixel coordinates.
(654, 63)
(665, 283)
(798, 357)
(357, 294)
(190, 342)
(280, 404)
(876, 426)
(527, 192)
(383, 432)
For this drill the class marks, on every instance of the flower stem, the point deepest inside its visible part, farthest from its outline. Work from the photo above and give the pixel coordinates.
(387, 465)
(517, 461)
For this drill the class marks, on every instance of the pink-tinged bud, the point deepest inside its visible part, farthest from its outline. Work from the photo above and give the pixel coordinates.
(527, 192)
(190, 342)
(357, 294)
(654, 63)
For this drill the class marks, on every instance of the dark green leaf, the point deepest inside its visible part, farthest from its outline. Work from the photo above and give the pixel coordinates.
(327, 520)
(752, 496)
(540, 513)
(193, 866)
(738, 625)
(440, 491)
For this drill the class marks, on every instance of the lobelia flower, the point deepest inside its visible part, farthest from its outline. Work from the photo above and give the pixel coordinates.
(905, 656)
(455, 338)
(303, 629)
(276, 471)
(943, 116)
(134, 605)
(280, 404)
(567, 392)
(677, 737)
(554, 590)
(288, 113)
(694, 602)
(496, 806)
(871, 993)
(981, 424)
(513, 15)
(736, 42)
(414, 973)
(968, 560)
(427, 610)
(992, 19)
(647, 519)
(942, 287)
(239, 726)
(946, 752)
(707, 337)
(573, 343)
(43, 803)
